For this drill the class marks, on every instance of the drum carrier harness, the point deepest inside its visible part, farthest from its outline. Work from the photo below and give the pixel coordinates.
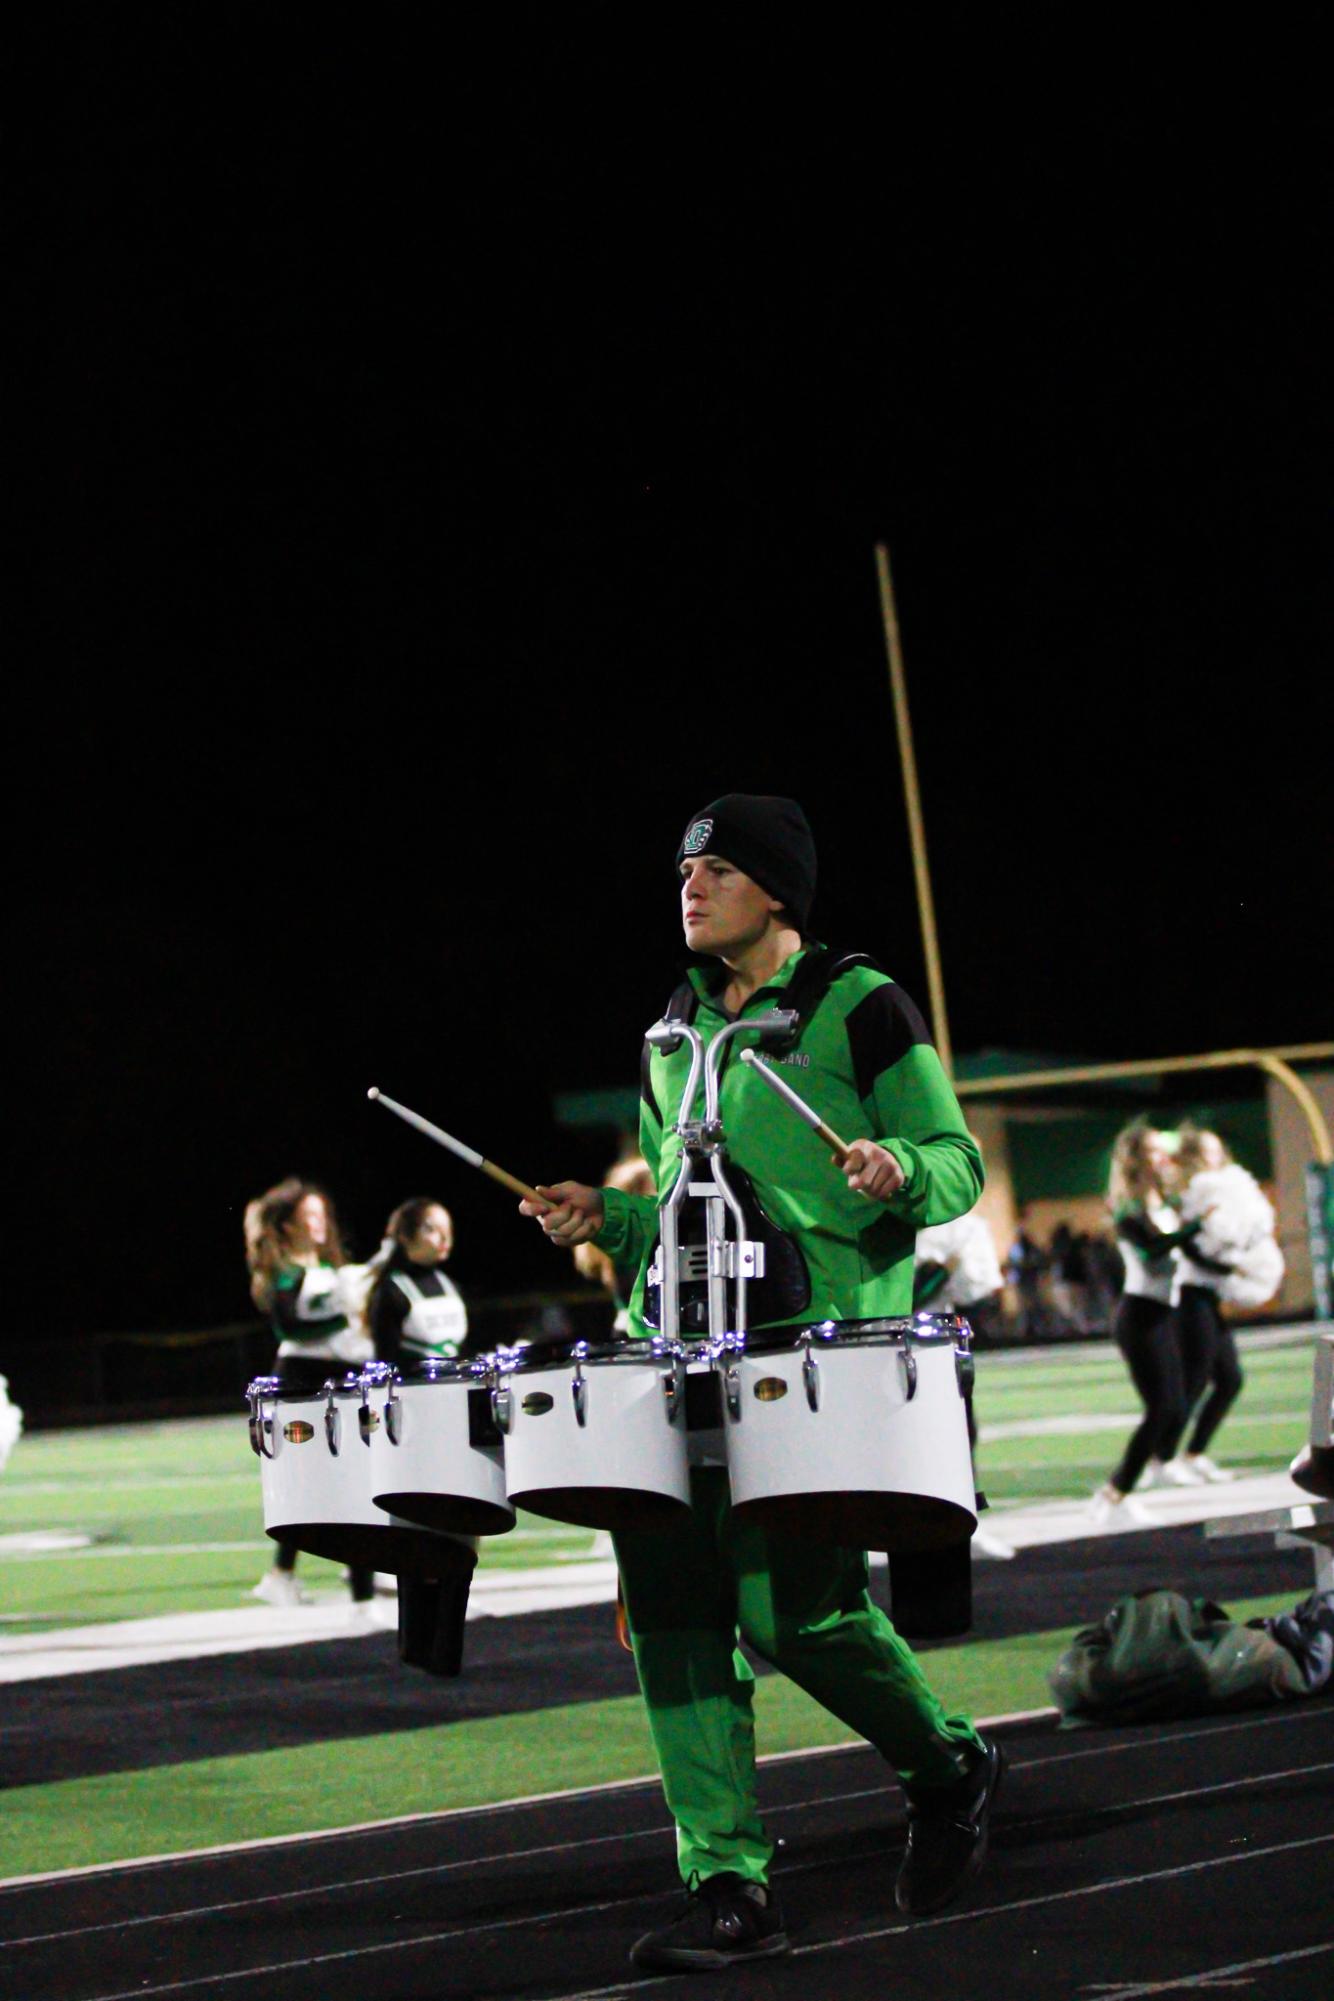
(699, 1279)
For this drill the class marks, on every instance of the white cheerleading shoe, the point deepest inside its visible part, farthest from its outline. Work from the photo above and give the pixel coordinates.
(1109, 1510)
(1204, 1469)
(279, 1587)
(1182, 1472)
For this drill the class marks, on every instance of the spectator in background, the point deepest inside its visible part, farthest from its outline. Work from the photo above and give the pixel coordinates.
(1024, 1266)
(413, 1309)
(632, 1174)
(1068, 1278)
(300, 1277)
(1144, 1325)
(1104, 1278)
(1234, 1256)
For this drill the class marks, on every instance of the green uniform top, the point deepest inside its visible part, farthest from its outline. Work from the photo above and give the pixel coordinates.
(865, 1063)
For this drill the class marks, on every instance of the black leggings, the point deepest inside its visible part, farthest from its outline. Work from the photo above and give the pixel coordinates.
(303, 1375)
(1209, 1359)
(1145, 1332)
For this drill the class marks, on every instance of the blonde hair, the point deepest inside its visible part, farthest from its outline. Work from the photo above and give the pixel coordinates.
(271, 1238)
(632, 1174)
(1190, 1153)
(1133, 1177)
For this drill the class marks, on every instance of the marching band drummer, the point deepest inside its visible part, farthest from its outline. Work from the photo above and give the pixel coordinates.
(413, 1309)
(300, 1277)
(747, 878)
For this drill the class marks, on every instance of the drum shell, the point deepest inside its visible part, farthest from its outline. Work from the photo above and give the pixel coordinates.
(435, 1474)
(321, 1501)
(625, 1466)
(871, 1467)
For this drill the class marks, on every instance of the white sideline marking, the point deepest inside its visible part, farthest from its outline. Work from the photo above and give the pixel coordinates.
(1214, 1976)
(43, 1542)
(145, 1993)
(502, 1593)
(1072, 1423)
(86, 1547)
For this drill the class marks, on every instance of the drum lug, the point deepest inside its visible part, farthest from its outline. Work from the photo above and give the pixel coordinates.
(579, 1392)
(502, 1408)
(732, 1393)
(261, 1427)
(364, 1415)
(810, 1376)
(674, 1389)
(393, 1416)
(965, 1370)
(909, 1361)
(332, 1422)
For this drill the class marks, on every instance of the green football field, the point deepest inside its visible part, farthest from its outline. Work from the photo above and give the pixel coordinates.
(138, 1521)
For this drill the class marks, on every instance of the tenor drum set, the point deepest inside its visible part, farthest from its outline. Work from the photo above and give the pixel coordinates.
(844, 1432)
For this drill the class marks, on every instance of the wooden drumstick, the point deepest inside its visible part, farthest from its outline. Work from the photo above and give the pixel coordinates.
(804, 1111)
(468, 1153)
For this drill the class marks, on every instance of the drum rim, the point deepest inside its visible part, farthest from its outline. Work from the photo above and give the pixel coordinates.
(537, 1357)
(924, 1330)
(271, 1389)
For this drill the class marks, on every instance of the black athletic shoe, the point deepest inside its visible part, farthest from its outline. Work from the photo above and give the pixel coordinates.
(723, 1922)
(947, 1837)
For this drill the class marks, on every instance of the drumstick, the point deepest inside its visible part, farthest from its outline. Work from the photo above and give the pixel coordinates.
(468, 1153)
(798, 1104)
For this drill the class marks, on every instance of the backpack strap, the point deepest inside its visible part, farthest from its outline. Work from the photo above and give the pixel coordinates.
(807, 988)
(811, 982)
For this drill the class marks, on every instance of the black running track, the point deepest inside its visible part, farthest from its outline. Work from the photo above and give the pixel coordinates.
(1196, 1856)
(1169, 1858)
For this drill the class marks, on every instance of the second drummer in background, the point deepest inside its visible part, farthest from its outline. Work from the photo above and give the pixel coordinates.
(414, 1310)
(747, 879)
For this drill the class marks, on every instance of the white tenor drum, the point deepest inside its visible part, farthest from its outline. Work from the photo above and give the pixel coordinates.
(315, 1469)
(853, 1432)
(595, 1433)
(436, 1455)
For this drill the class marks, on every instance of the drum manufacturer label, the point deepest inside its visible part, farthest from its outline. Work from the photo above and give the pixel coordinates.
(769, 1388)
(298, 1432)
(537, 1403)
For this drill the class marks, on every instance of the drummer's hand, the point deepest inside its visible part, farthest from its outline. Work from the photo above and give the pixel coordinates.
(872, 1170)
(575, 1216)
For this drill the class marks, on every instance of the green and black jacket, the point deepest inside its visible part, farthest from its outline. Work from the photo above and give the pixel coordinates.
(865, 1063)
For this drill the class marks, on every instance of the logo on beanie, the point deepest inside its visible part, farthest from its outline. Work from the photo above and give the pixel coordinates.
(697, 838)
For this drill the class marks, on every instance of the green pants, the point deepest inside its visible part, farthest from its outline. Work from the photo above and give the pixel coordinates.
(803, 1606)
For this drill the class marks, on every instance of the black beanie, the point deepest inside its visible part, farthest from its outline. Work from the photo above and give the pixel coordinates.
(767, 838)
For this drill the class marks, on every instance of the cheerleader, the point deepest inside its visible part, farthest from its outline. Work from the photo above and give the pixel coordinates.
(11, 1422)
(413, 1309)
(300, 1277)
(1235, 1257)
(1144, 1325)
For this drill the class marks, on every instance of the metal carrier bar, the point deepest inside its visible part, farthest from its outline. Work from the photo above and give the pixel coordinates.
(737, 1257)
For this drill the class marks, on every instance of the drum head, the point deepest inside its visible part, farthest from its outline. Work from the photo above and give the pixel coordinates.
(862, 1520)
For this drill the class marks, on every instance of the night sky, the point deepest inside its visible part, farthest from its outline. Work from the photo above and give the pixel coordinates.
(447, 477)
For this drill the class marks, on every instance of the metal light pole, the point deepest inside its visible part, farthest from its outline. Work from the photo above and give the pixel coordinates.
(925, 908)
